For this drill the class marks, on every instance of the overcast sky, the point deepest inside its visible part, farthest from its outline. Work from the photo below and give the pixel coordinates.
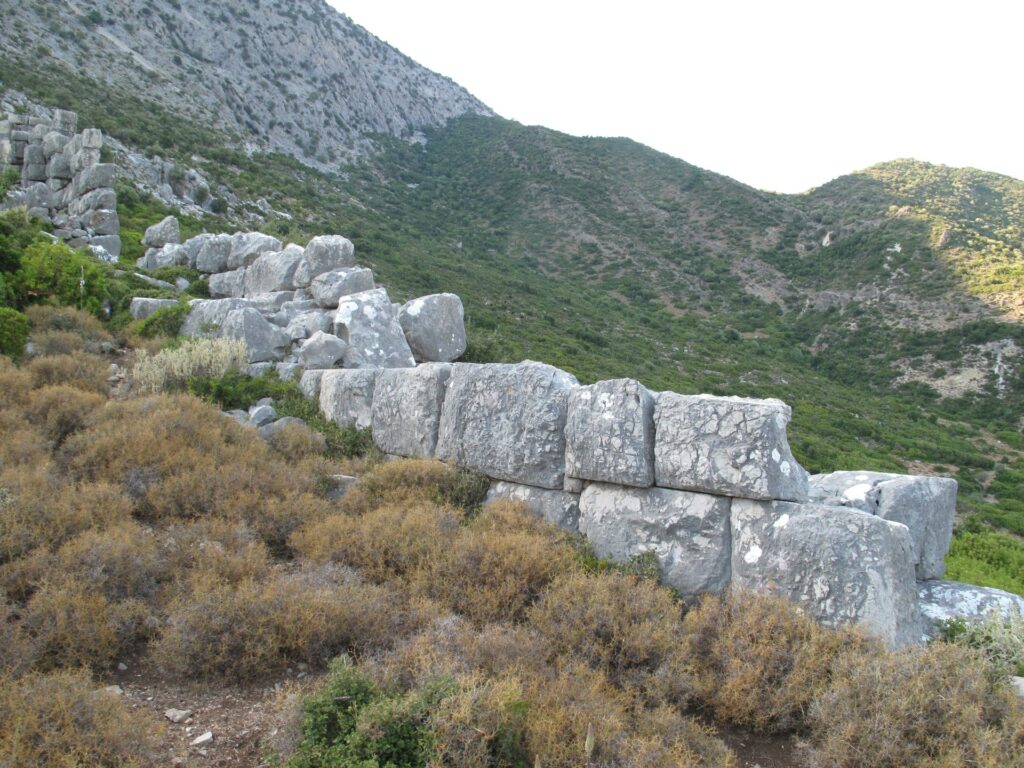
(782, 95)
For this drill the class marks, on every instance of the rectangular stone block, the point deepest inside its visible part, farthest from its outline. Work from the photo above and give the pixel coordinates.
(609, 433)
(557, 507)
(729, 446)
(407, 405)
(368, 322)
(507, 421)
(842, 566)
(926, 505)
(688, 532)
(346, 396)
(96, 177)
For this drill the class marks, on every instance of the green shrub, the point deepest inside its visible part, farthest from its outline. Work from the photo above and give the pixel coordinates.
(17, 231)
(54, 271)
(999, 639)
(13, 332)
(166, 321)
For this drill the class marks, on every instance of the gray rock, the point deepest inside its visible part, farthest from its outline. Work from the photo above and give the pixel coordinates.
(177, 716)
(256, 370)
(321, 350)
(308, 324)
(434, 327)
(212, 255)
(268, 431)
(263, 341)
(926, 505)
(842, 566)
(58, 167)
(688, 532)
(242, 417)
(202, 740)
(110, 243)
(407, 406)
(329, 287)
(162, 284)
(246, 247)
(573, 485)
(273, 272)
(194, 246)
(944, 600)
(557, 507)
(98, 198)
(507, 421)
(339, 485)
(182, 284)
(95, 177)
(324, 254)
(309, 383)
(609, 433)
(102, 222)
(270, 303)
(367, 321)
(162, 233)
(228, 284)
(142, 307)
(288, 371)
(165, 256)
(729, 446)
(207, 315)
(262, 414)
(346, 396)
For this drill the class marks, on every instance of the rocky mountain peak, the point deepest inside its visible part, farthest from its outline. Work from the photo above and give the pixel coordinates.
(292, 76)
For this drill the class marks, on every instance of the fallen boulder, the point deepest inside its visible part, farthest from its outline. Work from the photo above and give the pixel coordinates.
(324, 254)
(273, 272)
(263, 342)
(368, 322)
(328, 288)
(435, 327)
(321, 350)
(162, 233)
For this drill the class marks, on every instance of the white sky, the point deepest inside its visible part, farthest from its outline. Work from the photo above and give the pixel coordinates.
(779, 94)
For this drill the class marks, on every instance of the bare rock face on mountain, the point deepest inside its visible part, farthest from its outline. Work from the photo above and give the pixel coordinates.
(228, 62)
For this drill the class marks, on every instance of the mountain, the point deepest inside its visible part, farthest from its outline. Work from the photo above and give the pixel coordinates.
(885, 306)
(291, 77)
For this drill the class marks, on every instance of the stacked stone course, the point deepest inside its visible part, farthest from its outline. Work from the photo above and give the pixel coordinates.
(62, 180)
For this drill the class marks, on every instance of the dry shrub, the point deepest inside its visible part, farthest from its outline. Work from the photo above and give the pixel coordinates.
(61, 720)
(120, 562)
(46, 318)
(409, 480)
(217, 551)
(79, 369)
(48, 343)
(250, 629)
(296, 442)
(18, 653)
(72, 625)
(630, 629)
(60, 410)
(15, 384)
(388, 542)
(936, 706)
(20, 577)
(759, 661)
(498, 565)
(171, 369)
(40, 513)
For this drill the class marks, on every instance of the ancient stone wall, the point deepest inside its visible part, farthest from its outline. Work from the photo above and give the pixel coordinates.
(63, 180)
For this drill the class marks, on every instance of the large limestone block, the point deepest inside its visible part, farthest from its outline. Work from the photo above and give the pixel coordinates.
(346, 396)
(434, 327)
(507, 421)
(162, 233)
(207, 315)
(228, 284)
(194, 245)
(328, 288)
(324, 254)
(95, 177)
(944, 600)
(263, 342)
(246, 247)
(407, 405)
(307, 324)
(842, 566)
(926, 505)
(213, 253)
(321, 350)
(557, 507)
(166, 256)
(729, 446)
(609, 434)
(273, 272)
(688, 532)
(368, 322)
(142, 307)
(309, 383)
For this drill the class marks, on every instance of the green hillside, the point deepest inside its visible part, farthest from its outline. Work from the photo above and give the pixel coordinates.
(609, 259)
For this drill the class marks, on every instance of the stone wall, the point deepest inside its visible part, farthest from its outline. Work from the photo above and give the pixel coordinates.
(63, 181)
(708, 485)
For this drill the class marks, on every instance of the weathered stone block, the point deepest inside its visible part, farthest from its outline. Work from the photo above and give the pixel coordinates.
(321, 350)
(273, 272)
(212, 254)
(726, 445)
(324, 254)
(207, 315)
(926, 505)
(407, 404)
(435, 328)
(557, 507)
(368, 322)
(163, 232)
(96, 177)
(346, 397)
(246, 247)
(944, 600)
(228, 284)
(688, 532)
(328, 288)
(263, 342)
(102, 222)
(507, 421)
(110, 243)
(142, 307)
(842, 566)
(309, 383)
(609, 434)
